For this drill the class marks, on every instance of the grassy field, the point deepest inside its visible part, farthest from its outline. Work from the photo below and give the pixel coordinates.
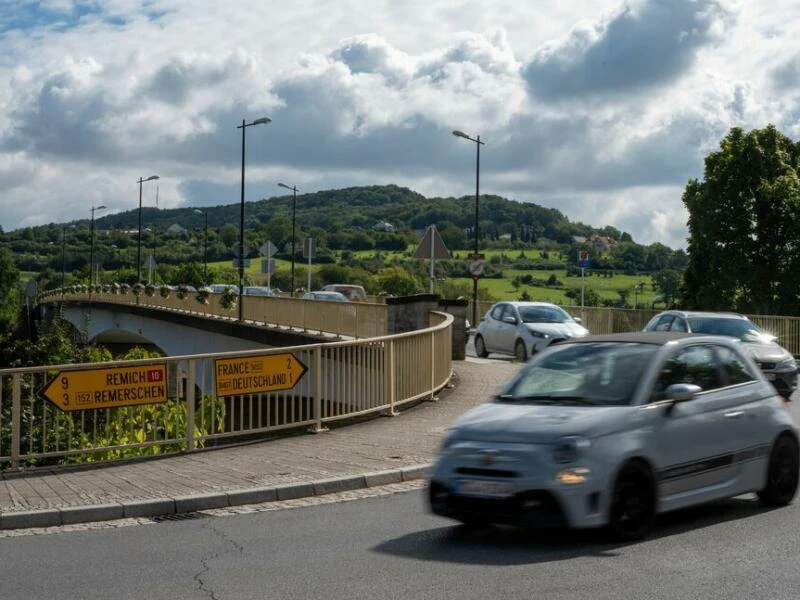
(503, 289)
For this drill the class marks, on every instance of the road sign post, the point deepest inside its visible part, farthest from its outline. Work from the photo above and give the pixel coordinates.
(309, 250)
(583, 263)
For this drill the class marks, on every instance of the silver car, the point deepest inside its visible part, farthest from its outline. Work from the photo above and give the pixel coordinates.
(612, 430)
(777, 362)
(524, 328)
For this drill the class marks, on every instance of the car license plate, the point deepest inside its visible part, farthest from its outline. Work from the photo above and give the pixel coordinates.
(483, 488)
(770, 376)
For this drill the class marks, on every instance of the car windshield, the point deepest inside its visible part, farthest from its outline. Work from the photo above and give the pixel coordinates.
(738, 328)
(543, 314)
(597, 374)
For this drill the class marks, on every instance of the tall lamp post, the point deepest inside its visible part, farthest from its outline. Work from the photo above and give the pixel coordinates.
(243, 127)
(91, 246)
(478, 144)
(63, 257)
(294, 205)
(139, 241)
(205, 244)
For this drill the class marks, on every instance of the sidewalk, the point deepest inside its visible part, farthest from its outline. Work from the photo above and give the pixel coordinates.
(377, 452)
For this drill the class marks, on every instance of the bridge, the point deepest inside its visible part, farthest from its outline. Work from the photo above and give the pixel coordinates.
(340, 362)
(289, 364)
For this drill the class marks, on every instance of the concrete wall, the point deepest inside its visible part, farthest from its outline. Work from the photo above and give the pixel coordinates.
(409, 313)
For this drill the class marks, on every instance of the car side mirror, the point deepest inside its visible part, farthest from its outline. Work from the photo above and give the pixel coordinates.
(510, 320)
(681, 392)
(577, 319)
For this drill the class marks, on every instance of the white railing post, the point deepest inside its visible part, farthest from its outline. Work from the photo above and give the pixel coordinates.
(190, 403)
(16, 410)
(433, 397)
(391, 376)
(318, 427)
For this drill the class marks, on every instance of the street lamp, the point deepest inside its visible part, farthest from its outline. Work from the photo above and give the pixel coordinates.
(478, 144)
(294, 204)
(91, 246)
(205, 245)
(63, 257)
(243, 126)
(139, 241)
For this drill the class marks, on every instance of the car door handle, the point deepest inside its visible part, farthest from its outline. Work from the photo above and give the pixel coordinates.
(736, 414)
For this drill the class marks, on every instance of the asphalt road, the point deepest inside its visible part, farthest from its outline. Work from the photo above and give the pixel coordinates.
(386, 545)
(381, 543)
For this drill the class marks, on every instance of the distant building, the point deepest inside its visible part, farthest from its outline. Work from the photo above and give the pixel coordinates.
(383, 226)
(176, 229)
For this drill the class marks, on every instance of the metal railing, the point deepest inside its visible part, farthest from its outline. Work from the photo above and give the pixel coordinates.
(352, 319)
(344, 379)
(619, 320)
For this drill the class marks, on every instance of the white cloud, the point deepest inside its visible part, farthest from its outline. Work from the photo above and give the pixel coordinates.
(600, 109)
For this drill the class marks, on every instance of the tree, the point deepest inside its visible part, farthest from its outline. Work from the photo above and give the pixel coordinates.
(396, 281)
(744, 226)
(9, 293)
(667, 282)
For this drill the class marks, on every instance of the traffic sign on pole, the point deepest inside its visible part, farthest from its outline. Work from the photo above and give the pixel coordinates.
(105, 388)
(268, 249)
(257, 374)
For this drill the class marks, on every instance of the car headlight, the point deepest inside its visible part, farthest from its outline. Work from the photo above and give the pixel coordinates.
(569, 448)
(449, 439)
(787, 363)
(538, 334)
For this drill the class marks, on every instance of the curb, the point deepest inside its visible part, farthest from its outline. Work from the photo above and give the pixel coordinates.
(164, 506)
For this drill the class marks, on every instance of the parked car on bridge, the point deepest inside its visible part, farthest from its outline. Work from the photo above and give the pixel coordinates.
(524, 328)
(354, 293)
(259, 290)
(328, 296)
(218, 288)
(778, 364)
(612, 430)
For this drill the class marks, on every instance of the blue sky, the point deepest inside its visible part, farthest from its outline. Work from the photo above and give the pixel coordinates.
(602, 109)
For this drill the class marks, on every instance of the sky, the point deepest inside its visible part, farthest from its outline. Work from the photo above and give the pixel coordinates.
(602, 109)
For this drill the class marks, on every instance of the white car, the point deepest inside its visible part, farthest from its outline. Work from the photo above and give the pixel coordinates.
(524, 328)
(612, 430)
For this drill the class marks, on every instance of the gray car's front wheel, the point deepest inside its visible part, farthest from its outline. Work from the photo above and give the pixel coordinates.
(632, 514)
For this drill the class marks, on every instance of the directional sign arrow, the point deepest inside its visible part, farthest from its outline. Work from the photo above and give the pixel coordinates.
(257, 374)
(105, 388)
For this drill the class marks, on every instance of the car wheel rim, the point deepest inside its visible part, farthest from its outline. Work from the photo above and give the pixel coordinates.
(479, 349)
(783, 471)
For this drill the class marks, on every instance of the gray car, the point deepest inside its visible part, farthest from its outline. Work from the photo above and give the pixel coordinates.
(778, 364)
(524, 328)
(613, 430)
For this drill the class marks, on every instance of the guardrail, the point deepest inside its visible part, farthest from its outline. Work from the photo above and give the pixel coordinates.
(619, 320)
(351, 319)
(344, 379)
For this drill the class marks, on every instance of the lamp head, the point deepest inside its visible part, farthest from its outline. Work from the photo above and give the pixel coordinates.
(261, 121)
(458, 133)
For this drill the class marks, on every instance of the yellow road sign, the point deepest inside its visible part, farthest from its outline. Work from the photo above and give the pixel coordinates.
(257, 374)
(105, 388)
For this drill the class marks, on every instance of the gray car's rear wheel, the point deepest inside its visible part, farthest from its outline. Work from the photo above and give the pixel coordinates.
(632, 514)
(520, 353)
(480, 346)
(783, 472)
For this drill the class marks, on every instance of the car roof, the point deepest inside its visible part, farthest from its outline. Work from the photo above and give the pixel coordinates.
(704, 314)
(658, 338)
(519, 303)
